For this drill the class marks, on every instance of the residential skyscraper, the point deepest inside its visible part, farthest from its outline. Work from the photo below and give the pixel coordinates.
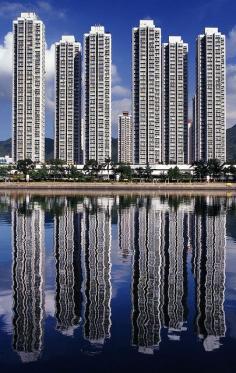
(125, 138)
(146, 92)
(210, 99)
(68, 144)
(175, 101)
(97, 94)
(28, 104)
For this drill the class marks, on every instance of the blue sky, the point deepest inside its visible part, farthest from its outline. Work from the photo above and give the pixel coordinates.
(182, 17)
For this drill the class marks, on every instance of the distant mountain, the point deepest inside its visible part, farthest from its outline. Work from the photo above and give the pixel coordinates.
(114, 150)
(231, 143)
(5, 148)
(49, 148)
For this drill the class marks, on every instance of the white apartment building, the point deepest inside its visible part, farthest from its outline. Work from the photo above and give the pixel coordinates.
(97, 94)
(146, 92)
(67, 135)
(125, 138)
(210, 98)
(175, 101)
(28, 106)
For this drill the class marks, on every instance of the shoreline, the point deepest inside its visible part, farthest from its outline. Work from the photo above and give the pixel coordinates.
(115, 187)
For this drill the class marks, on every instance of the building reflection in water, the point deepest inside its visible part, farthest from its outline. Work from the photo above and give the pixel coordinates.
(155, 235)
(163, 236)
(28, 282)
(126, 231)
(96, 243)
(67, 246)
(146, 322)
(209, 272)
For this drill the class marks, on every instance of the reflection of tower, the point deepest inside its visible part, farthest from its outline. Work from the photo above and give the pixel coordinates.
(126, 231)
(146, 280)
(28, 262)
(209, 273)
(97, 268)
(68, 279)
(173, 295)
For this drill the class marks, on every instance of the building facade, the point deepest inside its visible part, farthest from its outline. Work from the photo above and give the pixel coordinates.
(146, 92)
(97, 94)
(210, 98)
(68, 145)
(125, 138)
(175, 101)
(28, 106)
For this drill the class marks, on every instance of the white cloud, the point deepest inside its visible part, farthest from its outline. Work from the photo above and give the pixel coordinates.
(50, 75)
(6, 59)
(115, 75)
(9, 9)
(231, 77)
(231, 95)
(231, 43)
(6, 66)
(120, 98)
(118, 106)
(120, 91)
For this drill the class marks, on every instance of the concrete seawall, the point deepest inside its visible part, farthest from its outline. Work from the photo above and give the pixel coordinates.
(105, 187)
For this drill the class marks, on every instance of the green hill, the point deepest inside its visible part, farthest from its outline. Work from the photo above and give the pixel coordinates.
(231, 143)
(5, 146)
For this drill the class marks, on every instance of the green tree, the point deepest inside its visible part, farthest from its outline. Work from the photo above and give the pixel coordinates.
(74, 173)
(57, 169)
(214, 168)
(140, 173)
(148, 172)
(40, 174)
(108, 165)
(200, 169)
(25, 166)
(173, 173)
(3, 172)
(125, 171)
(92, 168)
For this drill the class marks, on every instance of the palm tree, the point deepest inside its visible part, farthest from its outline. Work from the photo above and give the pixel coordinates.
(215, 168)
(108, 163)
(200, 169)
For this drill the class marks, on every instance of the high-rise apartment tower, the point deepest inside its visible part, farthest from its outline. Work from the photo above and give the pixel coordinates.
(146, 92)
(68, 146)
(97, 94)
(175, 101)
(125, 138)
(210, 98)
(28, 104)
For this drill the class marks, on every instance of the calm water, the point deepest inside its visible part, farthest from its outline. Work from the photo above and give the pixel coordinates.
(117, 284)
